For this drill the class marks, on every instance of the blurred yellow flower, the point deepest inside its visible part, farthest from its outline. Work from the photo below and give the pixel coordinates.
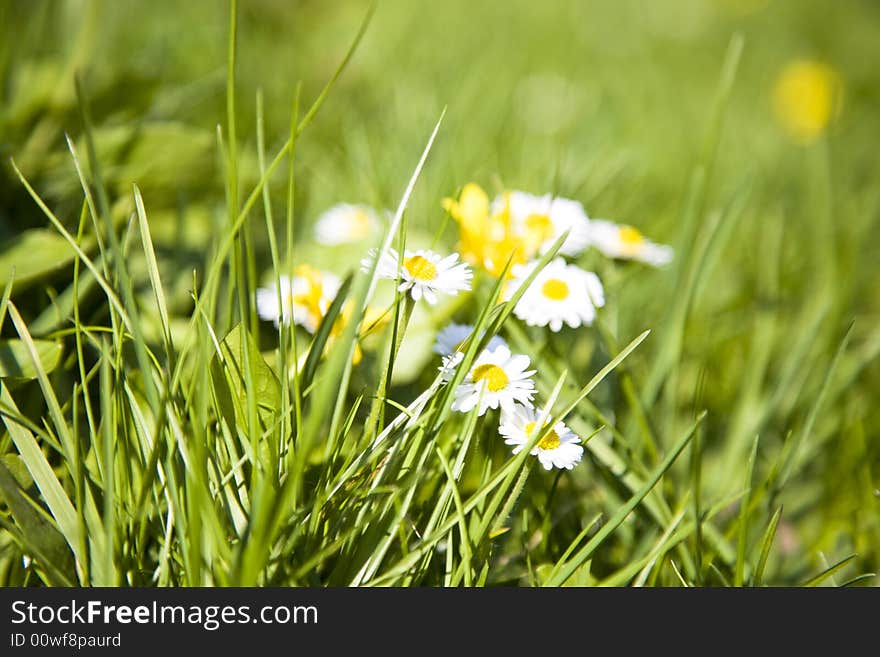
(541, 220)
(487, 239)
(805, 97)
(305, 297)
(374, 319)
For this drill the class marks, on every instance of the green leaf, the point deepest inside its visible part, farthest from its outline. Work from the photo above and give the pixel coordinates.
(43, 475)
(18, 470)
(231, 388)
(33, 255)
(15, 361)
(39, 535)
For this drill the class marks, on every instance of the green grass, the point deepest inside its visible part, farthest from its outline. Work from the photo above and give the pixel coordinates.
(153, 434)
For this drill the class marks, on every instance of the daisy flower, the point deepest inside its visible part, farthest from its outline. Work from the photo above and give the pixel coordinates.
(558, 449)
(487, 239)
(345, 223)
(305, 297)
(559, 294)
(423, 273)
(541, 220)
(497, 378)
(449, 346)
(621, 241)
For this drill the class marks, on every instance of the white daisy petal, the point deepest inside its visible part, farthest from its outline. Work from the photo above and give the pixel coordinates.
(345, 223)
(569, 215)
(267, 301)
(423, 272)
(305, 298)
(465, 404)
(625, 242)
(493, 380)
(541, 220)
(595, 289)
(519, 363)
(560, 293)
(557, 449)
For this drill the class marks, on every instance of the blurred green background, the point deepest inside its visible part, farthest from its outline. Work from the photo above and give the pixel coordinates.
(543, 95)
(608, 102)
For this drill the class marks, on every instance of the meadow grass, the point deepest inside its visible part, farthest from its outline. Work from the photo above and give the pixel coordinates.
(157, 432)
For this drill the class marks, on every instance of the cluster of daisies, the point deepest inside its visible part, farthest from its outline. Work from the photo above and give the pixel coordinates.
(501, 379)
(516, 228)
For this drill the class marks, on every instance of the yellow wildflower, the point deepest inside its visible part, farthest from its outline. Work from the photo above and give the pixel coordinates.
(805, 97)
(486, 239)
(374, 320)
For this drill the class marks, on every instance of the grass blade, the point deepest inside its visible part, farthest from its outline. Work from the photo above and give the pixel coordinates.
(742, 537)
(766, 544)
(828, 572)
(566, 570)
(44, 477)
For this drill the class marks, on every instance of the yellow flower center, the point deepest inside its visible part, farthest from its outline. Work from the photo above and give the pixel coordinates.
(555, 289)
(550, 441)
(336, 330)
(540, 226)
(313, 296)
(360, 224)
(420, 268)
(495, 377)
(630, 236)
(310, 299)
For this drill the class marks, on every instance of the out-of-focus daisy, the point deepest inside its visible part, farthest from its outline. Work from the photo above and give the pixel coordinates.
(424, 273)
(558, 449)
(373, 320)
(497, 378)
(305, 297)
(621, 241)
(560, 293)
(541, 220)
(487, 239)
(805, 97)
(450, 346)
(450, 339)
(345, 223)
